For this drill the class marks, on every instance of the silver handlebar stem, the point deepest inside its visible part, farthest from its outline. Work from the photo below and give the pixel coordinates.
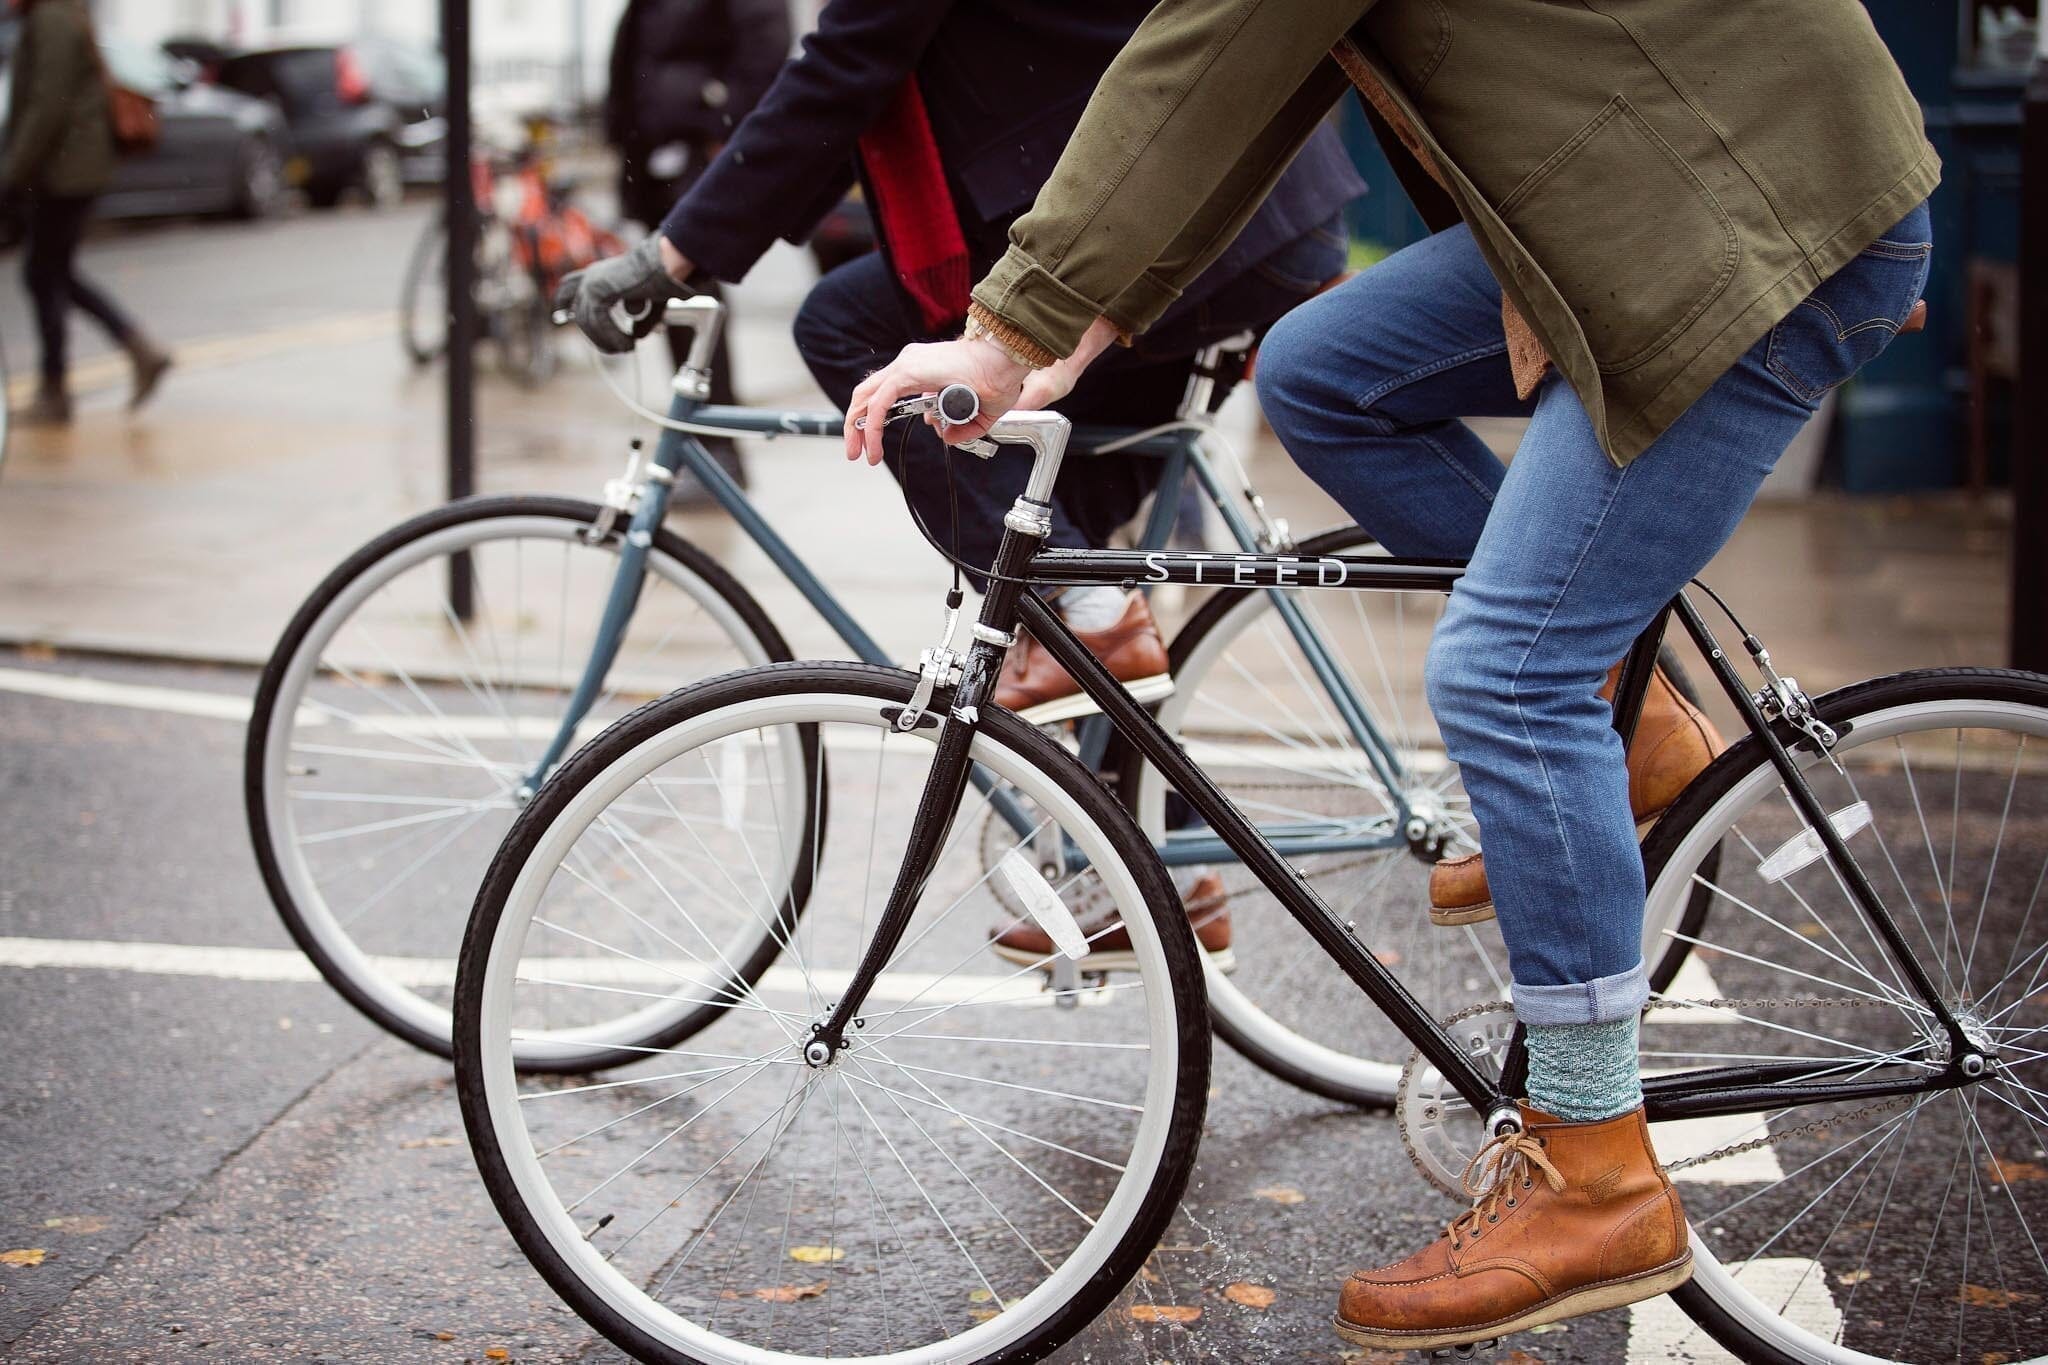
(704, 317)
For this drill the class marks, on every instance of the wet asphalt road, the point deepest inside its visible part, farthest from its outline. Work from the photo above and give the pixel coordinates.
(244, 1170)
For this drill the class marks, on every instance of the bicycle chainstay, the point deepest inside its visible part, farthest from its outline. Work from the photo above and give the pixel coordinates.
(1734, 1004)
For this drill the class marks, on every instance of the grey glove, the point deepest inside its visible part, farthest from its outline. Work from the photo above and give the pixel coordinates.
(620, 292)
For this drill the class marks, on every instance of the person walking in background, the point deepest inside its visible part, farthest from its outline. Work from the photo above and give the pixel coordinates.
(683, 75)
(59, 156)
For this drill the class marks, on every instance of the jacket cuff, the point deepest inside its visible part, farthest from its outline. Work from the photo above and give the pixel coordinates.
(1140, 305)
(1021, 300)
(1021, 346)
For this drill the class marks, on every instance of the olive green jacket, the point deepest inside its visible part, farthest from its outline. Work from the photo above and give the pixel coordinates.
(60, 137)
(1655, 183)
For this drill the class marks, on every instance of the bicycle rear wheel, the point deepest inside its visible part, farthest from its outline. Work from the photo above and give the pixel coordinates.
(1901, 1228)
(974, 1177)
(392, 731)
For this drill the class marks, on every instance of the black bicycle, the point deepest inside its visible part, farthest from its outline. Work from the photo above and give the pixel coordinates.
(891, 1145)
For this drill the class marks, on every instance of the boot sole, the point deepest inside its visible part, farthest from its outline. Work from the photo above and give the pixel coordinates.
(1594, 1298)
(1144, 691)
(1450, 917)
(1120, 960)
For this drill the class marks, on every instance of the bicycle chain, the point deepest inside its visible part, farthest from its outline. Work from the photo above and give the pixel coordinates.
(1723, 1003)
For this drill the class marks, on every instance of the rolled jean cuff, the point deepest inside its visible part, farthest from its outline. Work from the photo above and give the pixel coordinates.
(1600, 1001)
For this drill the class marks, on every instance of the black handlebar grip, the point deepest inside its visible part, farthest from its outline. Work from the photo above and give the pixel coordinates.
(959, 404)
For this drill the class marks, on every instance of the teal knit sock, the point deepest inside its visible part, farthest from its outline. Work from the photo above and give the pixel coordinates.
(1584, 1072)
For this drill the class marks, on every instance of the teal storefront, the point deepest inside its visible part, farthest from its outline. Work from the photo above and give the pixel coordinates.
(1905, 424)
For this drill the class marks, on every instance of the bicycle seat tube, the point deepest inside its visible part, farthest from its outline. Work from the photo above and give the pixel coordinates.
(1026, 525)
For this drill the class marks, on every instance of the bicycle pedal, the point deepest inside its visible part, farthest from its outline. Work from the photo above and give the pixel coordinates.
(1468, 1351)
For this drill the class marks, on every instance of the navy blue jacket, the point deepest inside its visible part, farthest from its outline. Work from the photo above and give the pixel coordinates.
(1004, 84)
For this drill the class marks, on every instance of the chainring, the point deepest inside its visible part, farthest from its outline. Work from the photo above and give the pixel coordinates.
(1440, 1130)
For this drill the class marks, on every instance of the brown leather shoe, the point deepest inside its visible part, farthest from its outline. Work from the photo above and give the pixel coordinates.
(1568, 1218)
(1673, 743)
(1109, 943)
(1041, 692)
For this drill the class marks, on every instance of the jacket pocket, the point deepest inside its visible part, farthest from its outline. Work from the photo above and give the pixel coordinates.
(1847, 322)
(1631, 237)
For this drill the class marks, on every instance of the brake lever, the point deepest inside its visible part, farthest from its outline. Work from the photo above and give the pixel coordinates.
(955, 405)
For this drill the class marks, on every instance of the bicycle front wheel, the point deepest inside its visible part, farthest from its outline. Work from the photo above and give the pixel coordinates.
(973, 1177)
(398, 719)
(1899, 1228)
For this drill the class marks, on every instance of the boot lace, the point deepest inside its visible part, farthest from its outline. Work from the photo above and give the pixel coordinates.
(1497, 1171)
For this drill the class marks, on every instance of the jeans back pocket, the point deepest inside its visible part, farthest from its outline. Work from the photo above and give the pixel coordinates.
(1847, 322)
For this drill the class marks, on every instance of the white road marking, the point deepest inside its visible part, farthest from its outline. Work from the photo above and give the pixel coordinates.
(177, 701)
(1658, 1329)
(287, 964)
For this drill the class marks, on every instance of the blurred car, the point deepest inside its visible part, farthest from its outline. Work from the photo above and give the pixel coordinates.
(218, 152)
(364, 116)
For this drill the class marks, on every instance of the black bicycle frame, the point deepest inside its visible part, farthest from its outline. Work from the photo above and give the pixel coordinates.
(1691, 1094)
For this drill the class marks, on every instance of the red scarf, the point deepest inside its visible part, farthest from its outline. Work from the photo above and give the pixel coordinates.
(913, 208)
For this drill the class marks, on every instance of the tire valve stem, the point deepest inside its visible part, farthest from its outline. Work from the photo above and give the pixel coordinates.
(598, 1227)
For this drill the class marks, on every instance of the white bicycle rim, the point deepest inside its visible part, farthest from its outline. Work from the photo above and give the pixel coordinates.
(376, 978)
(501, 1083)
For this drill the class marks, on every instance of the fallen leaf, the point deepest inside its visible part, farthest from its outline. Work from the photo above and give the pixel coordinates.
(1149, 1275)
(1857, 1276)
(1542, 1327)
(26, 1256)
(1388, 957)
(1520, 1358)
(2013, 1172)
(1165, 1312)
(1281, 1194)
(78, 1225)
(444, 1336)
(781, 1293)
(816, 1255)
(414, 1144)
(980, 1296)
(1983, 1296)
(1250, 1295)
(497, 1353)
(984, 1314)
(1994, 1358)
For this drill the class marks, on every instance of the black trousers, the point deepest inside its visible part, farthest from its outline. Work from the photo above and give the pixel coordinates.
(48, 267)
(854, 321)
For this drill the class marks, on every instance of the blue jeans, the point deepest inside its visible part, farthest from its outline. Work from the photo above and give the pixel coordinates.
(1571, 556)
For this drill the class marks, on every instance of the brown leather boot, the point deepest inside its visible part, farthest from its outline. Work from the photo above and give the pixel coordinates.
(1041, 692)
(1673, 743)
(1208, 907)
(1568, 1218)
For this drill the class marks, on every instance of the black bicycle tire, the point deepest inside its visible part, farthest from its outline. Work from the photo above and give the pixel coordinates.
(432, 246)
(261, 715)
(887, 686)
(1838, 708)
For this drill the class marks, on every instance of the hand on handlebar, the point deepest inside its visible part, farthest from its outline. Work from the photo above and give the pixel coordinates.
(928, 367)
(619, 300)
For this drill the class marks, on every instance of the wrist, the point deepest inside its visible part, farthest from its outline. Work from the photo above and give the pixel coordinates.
(674, 261)
(1018, 357)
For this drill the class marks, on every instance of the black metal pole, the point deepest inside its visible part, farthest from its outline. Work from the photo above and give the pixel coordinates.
(460, 213)
(2029, 478)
